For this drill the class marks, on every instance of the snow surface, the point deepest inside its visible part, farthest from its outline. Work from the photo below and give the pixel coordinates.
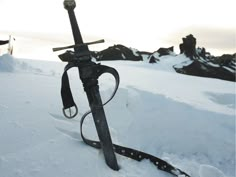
(188, 121)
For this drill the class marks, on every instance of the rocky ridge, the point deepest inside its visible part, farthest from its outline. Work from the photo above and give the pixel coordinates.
(202, 63)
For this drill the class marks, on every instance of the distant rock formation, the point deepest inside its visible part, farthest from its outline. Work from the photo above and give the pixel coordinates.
(215, 68)
(118, 52)
(202, 62)
(165, 51)
(152, 59)
(188, 47)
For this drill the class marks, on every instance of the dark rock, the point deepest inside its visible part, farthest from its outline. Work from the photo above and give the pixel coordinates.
(144, 53)
(202, 52)
(3, 42)
(165, 51)
(153, 59)
(197, 68)
(188, 47)
(118, 52)
(202, 63)
(222, 67)
(226, 60)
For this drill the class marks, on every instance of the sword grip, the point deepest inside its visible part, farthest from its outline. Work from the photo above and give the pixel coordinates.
(76, 32)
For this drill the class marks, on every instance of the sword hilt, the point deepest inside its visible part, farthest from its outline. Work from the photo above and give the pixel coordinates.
(89, 73)
(69, 4)
(78, 45)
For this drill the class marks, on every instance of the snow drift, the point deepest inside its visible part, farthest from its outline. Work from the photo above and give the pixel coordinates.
(188, 121)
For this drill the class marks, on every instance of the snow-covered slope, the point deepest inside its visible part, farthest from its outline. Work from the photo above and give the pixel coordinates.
(188, 121)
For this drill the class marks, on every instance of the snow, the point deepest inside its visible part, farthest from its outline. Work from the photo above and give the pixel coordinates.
(188, 121)
(214, 65)
(229, 69)
(135, 52)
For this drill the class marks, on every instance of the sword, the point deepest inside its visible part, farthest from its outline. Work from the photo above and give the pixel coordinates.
(89, 73)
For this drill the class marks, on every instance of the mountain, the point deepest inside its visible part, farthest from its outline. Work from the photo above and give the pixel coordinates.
(201, 63)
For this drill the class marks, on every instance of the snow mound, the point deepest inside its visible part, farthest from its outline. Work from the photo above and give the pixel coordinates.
(186, 120)
(6, 63)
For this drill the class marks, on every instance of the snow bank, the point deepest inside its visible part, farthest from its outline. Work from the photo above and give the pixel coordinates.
(185, 120)
(9, 63)
(6, 63)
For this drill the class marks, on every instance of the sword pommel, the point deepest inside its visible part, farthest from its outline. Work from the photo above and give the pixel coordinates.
(69, 4)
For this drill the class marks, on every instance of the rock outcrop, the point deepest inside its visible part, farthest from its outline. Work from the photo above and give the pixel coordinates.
(118, 52)
(202, 62)
(213, 69)
(188, 47)
(165, 51)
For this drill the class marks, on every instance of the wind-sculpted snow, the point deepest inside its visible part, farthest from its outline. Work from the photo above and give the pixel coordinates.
(6, 63)
(10, 64)
(186, 120)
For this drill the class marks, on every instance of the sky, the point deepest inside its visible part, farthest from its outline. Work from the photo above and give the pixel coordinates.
(145, 25)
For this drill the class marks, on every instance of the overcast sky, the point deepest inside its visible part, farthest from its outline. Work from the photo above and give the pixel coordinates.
(142, 24)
